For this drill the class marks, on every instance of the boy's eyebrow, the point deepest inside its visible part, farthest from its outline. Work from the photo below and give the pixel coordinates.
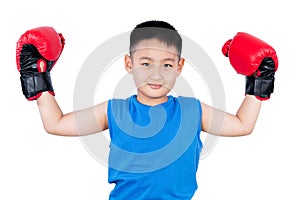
(169, 59)
(148, 58)
(145, 58)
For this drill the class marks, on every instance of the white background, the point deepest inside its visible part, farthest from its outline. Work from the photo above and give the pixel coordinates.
(264, 165)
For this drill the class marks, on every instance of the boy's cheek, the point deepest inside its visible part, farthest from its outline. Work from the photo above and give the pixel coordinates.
(170, 84)
(139, 80)
(137, 75)
(171, 74)
(139, 71)
(139, 83)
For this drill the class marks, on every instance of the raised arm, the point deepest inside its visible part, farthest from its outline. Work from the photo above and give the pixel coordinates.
(37, 52)
(257, 61)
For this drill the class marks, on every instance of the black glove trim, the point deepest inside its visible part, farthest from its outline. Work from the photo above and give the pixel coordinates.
(34, 84)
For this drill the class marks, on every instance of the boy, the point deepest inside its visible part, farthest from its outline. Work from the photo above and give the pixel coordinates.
(155, 137)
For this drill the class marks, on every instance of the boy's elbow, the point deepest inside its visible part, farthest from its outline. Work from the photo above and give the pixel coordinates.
(248, 131)
(51, 130)
(244, 131)
(60, 132)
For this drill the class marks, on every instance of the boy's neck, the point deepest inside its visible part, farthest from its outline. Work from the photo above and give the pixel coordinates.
(149, 101)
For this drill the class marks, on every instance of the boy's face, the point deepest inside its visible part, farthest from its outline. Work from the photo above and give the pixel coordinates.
(155, 67)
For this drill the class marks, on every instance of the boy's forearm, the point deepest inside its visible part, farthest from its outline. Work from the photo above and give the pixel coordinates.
(248, 113)
(50, 112)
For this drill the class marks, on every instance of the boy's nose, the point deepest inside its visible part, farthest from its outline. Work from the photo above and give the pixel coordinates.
(156, 72)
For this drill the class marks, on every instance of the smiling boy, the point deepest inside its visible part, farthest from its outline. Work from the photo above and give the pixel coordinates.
(155, 137)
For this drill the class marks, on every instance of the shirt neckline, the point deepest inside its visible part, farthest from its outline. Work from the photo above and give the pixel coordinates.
(164, 104)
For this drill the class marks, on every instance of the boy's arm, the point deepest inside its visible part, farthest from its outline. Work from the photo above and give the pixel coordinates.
(222, 123)
(257, 61)
(82, 122)
(37, 52)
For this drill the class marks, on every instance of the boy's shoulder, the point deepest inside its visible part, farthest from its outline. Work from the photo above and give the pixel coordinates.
(188, 102)
(187, 98)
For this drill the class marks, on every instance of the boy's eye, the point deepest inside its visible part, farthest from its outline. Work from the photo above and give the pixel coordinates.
(167, 65)
(146, 64)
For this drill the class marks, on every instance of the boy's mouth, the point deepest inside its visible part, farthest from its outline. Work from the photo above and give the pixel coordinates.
(154, 86)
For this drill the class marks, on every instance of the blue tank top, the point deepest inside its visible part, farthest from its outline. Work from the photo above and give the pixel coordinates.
(154, 150)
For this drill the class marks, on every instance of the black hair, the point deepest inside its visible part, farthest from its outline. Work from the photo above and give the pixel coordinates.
(159, 30)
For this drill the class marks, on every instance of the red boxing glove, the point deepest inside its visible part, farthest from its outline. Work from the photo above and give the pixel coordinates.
(255, 59)
(37, 51)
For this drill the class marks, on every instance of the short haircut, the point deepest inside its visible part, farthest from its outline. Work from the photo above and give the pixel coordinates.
(154, 29)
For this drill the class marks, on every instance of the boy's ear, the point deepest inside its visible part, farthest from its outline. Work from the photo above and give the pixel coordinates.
(128, 64)
(180, 65)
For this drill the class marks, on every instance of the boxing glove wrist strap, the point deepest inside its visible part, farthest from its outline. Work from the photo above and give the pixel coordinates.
(34, 84)
(250, 82)
(261, 87)
(264, 87)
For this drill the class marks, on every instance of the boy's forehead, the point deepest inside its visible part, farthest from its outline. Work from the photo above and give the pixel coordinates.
(155, 46)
